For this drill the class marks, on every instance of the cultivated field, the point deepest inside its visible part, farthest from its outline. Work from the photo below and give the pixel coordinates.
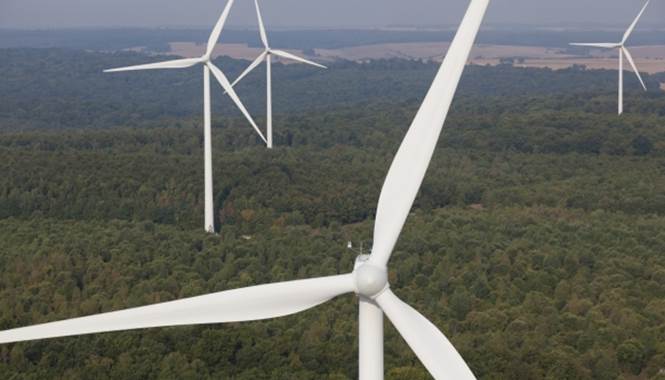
(650, 59)
(191, 49)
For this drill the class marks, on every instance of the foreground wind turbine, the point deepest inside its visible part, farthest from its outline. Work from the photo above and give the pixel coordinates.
(369, 278)
(267, 54)
(208, 66)
(622, 51)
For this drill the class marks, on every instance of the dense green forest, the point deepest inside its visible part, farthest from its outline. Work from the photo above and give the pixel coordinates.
(59, 88)
(536, 243)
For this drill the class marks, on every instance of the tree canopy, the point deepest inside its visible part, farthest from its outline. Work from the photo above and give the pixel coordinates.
(536, 243)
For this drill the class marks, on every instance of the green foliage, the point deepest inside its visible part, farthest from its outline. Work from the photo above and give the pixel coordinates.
(56, 88)
(535, 244)
(632, 356)
(642, 145)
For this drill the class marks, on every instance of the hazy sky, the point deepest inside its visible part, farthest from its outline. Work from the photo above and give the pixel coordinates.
(317, 13)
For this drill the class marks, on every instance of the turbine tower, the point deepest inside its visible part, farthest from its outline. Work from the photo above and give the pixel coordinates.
(622, 51)
(369, 279)
(267, 54)
(208, 66)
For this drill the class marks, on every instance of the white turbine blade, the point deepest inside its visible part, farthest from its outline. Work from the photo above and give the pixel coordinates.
(428, 343)
(250, 68)
(175, 64)
(262, 28)
(413, 157)
(632, 26)
(287, 55)
(632, 63)
(598, 45)
(217, 30)
(226, 85)
(248, 304)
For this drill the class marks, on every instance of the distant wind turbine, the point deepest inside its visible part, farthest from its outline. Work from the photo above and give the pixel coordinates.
(208, 66)
(622, 51)
(267, 54)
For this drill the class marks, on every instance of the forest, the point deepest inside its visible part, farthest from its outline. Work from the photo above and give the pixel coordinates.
(536, 243)
(64, 88)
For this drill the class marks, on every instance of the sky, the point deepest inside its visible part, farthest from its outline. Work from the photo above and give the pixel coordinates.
(41, 14)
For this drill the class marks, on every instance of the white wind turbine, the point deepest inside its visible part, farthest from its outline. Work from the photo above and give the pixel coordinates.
(267, 54)
(208, 66)
(369, 279)
(622, 51)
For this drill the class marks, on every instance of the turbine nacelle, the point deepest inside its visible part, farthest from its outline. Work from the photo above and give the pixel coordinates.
(370, 280)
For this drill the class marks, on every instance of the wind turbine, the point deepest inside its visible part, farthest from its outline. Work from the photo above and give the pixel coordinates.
(369, 279)
(622, 51)
(267, 54)
(208, 66)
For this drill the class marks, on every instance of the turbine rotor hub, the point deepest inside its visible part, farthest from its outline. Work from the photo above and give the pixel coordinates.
(370, 280)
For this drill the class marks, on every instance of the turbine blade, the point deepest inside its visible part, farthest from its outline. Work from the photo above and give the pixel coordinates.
(632, 63)
(176, 64)
(287, 55)
(428, 343)
(262, 28)
(217, 30)
(632, 26)
(248, 304)
(597, 45)
(250, 68)
(413, 157)
(226, 85)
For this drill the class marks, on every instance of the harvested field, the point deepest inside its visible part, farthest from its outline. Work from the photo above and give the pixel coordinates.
(650, 59)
